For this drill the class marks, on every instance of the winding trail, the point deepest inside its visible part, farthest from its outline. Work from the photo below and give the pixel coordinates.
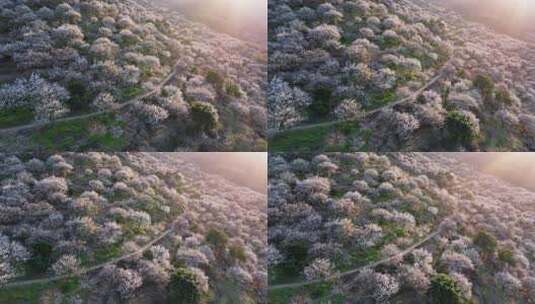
(353, 271)
(410, 98)
(95, 267)
(115, 107)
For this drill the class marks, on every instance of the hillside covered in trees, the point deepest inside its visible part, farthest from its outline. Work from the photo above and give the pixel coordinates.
(125, 76)
(396, 228)
(127, 228)
(395, 76)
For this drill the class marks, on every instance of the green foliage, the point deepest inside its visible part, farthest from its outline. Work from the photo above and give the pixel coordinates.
(217, 238)
(5, 25)
(215, 79)
(485, 84)
(444, 290)
(67, 135)
(506, 256)
(379, 99)
(346, 40)
(183, 288)
(205, 116)
(310, 139)
(296, 256)
(321, 104)
(486, 241)
(503, 96)
(348, 127)
(102, 254)
(460, 128)
(15, 116)
(389, 42)
(237, 252)
(41, 257)
(25, 294)
(81, 97)
(130, 91)
(233, 89)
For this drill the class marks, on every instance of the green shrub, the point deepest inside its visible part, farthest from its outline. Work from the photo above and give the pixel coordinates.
(296, 256)
(183, 288)
(485, 84)
(461, 129)
(506, 256)
(503, 96)
(217, 238)
(233, 89)
(215, 79)
(205, 116)
(321, 105)
(80, 96)
(41, 257)
(444, 290)
(486, 241)
(237, 252)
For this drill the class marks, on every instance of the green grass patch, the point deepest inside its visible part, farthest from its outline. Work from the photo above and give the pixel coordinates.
(101, 255)
(283, 275)
(303, 140)
(379, 99)
(25, 294)
(32, 294)
(364, 256)
(338, 193)
(282, 296)
(74, 135)
(69, 285)
(321, 293)
(130, 91)
(15, 117)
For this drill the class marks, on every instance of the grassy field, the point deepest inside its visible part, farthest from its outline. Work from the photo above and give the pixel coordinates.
(41, 293)
(321, 293)
(15, 117)
(335, 138)
(83, 134)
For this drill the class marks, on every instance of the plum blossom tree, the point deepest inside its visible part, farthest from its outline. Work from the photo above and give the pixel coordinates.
(66, 264)
(45, 98)
(318, 269)
(285, 104)
(348, 109)
(126, 282)
(378, 285)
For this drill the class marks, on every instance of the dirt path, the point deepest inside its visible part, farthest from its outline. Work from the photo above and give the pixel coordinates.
(410, 98)
(116, 107)
(96, 267)
(353, 271)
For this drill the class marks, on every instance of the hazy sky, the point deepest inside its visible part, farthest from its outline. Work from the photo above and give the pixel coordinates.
(240, 18)
(244, 168)
(513, 16)
(516, 168)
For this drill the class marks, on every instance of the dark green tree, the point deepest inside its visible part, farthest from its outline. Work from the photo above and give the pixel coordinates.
(461, 129)
(80, 96)
(322, 104)
(486, 242)
(237, 252)
(217, 238)
(444, 290)
(505, 255)
(204, 116)
(485, 84)
(215, 79)
(503, 96)
(183, 288)
(41, 257)
(233, 89)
